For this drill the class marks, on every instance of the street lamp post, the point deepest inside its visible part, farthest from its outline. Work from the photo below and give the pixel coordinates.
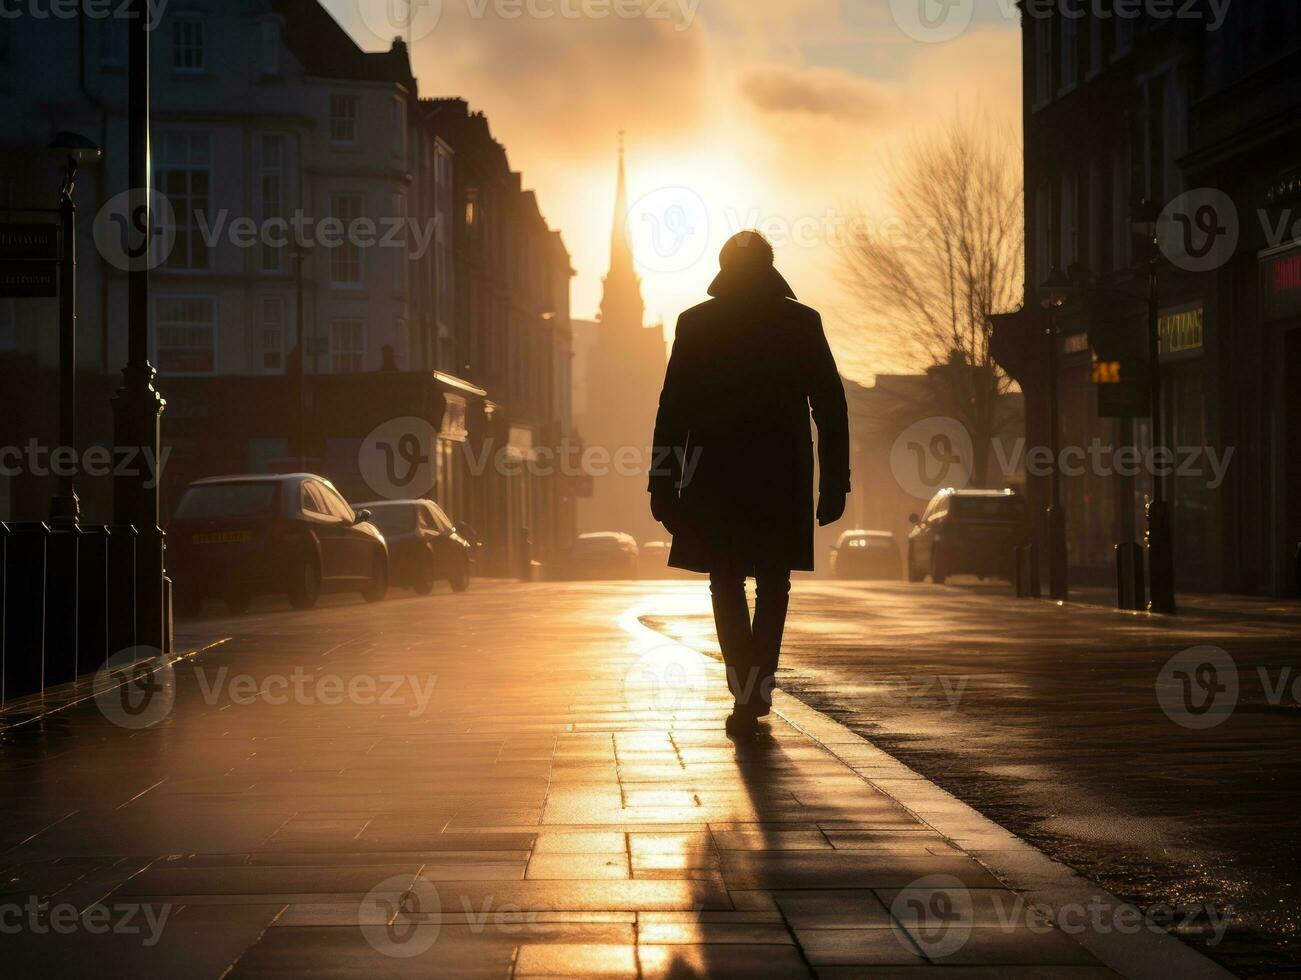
(1160, 543)
(1054, 291)
(300, 254)
(137, 405)
(65, 510)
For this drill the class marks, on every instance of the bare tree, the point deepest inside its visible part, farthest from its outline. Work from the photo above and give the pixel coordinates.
(951, 254)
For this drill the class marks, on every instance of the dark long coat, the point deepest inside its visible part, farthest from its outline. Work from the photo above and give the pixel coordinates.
(732, 432)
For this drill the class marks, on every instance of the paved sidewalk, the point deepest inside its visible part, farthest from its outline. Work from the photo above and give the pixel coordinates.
(521, 782)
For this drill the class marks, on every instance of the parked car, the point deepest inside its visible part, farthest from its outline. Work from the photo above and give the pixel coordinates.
(423, 545)
(974, 532)
(241, 536)
(867, 554)
(604, 555)
(653, 559)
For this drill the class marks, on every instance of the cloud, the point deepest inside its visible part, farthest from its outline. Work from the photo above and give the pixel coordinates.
(823, 92)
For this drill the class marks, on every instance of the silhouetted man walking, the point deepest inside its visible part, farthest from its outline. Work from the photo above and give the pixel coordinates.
(732, 480)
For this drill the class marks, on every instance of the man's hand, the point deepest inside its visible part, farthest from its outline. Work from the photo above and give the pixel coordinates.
(831, 507)
(664, 508)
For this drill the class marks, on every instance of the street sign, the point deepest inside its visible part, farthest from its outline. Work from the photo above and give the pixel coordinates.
(29, 242)
(28, 280)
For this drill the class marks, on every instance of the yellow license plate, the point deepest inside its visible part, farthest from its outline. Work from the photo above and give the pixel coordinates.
(223, 537)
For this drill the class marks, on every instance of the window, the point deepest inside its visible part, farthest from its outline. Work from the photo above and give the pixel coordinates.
(1070, 39)
(399, 120)
(441, 522)
(1096, 54)
(443, 282)
(1043, 226)
(188, 44)
(402, 342)
(312, 499)
(272, 191)
(347, 346)
(345, 256)
(1069, 249)
(1124, 21)
(8, 328)
(273, 334)
(335, 505)
(269, 37)
(1121, 192)
(184, 175)
(1043, 50)
(186, 335)
(400, 246)
(343, 118)
(112, 42)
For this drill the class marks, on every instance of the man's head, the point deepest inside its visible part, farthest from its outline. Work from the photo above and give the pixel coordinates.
(745, 251)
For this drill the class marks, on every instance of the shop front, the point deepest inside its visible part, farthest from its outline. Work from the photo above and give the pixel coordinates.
(1280, 305)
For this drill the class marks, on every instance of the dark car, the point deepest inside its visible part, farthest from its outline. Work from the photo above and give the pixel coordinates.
(972, 532)
(424, 546)
(241, 536)
(866, 555)
(604, 555)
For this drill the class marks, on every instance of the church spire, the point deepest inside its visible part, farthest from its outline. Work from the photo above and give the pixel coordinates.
(621, 260)
(621, 305)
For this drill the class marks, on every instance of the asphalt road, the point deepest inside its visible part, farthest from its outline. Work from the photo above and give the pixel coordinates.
(1073, 727)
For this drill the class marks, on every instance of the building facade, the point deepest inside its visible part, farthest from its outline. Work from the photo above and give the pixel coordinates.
(306, 194)
(1191, 122)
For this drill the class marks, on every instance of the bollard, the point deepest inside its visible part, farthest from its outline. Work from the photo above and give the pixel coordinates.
(4, 564)
(1131, 590)
(62, 551)
(1027, 572)
(121, 597)
(24, 647)
(151, 544)
(92, 599)
(169, 624)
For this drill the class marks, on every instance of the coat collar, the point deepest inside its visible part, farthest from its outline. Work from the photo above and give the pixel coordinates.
(752, 281)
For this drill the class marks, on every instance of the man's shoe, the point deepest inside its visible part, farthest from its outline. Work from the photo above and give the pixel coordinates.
(741, 722)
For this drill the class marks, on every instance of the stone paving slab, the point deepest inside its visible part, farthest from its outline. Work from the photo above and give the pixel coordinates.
(520, 783)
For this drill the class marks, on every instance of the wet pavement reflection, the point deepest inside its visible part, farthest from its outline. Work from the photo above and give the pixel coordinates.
(1052, 724)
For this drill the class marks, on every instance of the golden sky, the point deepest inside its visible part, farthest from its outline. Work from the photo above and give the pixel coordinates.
(777, 114)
